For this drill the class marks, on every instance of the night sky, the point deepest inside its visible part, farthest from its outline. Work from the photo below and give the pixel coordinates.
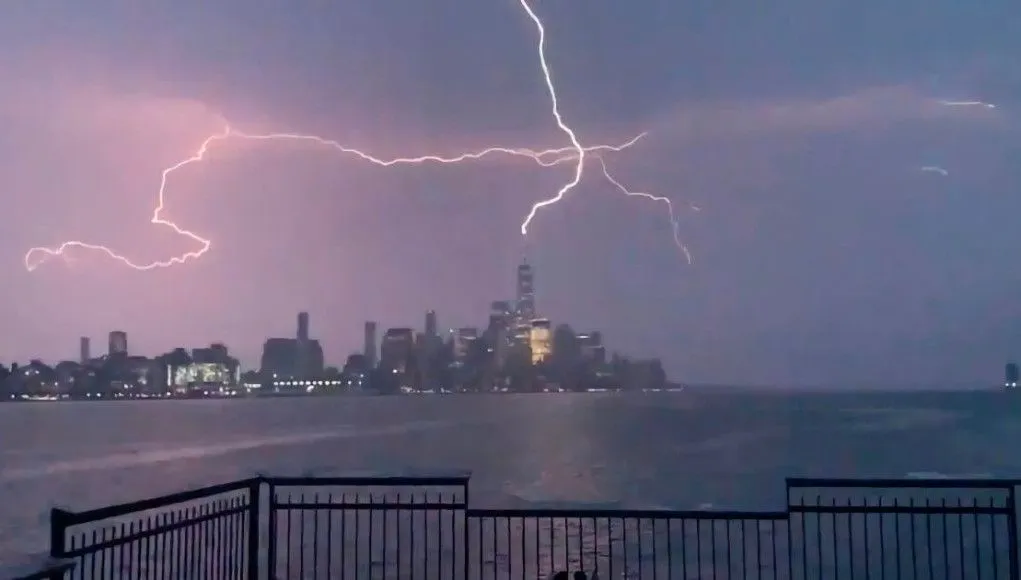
(823, 254)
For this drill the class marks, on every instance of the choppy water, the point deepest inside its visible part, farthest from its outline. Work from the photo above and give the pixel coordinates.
(666, 450)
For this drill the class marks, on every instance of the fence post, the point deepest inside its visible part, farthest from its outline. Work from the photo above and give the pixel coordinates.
(58, 532)
(1012, 534)
(254, 521)
(271, 530)
(790, 533)
(466, 558)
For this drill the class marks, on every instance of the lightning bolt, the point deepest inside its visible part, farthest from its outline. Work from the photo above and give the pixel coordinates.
(967, 104)
(545, 158)
(934, 169)
(579, 168)
(674, 224)
(36, 256)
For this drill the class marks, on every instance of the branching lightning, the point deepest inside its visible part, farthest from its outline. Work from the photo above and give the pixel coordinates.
(674, 224)
(577, 152)
(580, 167)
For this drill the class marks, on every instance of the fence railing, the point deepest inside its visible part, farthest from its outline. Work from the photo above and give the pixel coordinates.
(204, 533)
(422, 528)
(367, 527)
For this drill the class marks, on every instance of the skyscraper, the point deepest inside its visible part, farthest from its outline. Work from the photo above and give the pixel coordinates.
(539, 340)
(501, 309)
(303, 326)
(397, 349)
(370, 344)
(118, 343)
(526, 292)
(430, 324)
(463, 339)
(85, 350)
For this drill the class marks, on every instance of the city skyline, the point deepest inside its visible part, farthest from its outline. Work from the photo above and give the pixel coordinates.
(824, 254)
(522, 308)
(516, 351)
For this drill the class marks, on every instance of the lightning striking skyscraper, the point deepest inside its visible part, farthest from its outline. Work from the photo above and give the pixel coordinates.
(576, 151)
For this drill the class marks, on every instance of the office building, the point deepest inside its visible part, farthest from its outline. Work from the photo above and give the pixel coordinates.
(396, 350)
(499, 344)
(463, 339)
(289, 358)
(211, 365)
(85, 350)
(525, 292)
(592, 349)
(430, 324)
(118, 343)
(369, 350)
(303, 326)
(296, 358)
(356, 372)
(539, 340)
(501, 315)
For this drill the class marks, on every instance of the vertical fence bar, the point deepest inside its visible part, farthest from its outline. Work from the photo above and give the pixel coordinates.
(1012, 532)
(58, 532)
(465, 558)
(271, 534)
(254, 527)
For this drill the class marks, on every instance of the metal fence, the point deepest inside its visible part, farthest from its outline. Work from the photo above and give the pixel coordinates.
(201, 534)
(423, 528)
(933, 529)
(367, 527)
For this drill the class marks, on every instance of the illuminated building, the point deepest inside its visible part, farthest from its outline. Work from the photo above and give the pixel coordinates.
(118, 343)
(369, 349)
(85, 350)
(206, 368)
(539, 340)
(1011, 376)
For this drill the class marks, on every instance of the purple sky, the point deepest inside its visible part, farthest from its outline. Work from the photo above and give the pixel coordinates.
(823, 254)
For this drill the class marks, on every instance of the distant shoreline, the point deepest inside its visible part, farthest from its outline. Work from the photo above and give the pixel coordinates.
(675, 389)
(782, 389)
(156, 399)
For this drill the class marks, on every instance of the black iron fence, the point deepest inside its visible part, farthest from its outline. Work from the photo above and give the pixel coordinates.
(367, 527)
(205, 533)
(422, 528)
